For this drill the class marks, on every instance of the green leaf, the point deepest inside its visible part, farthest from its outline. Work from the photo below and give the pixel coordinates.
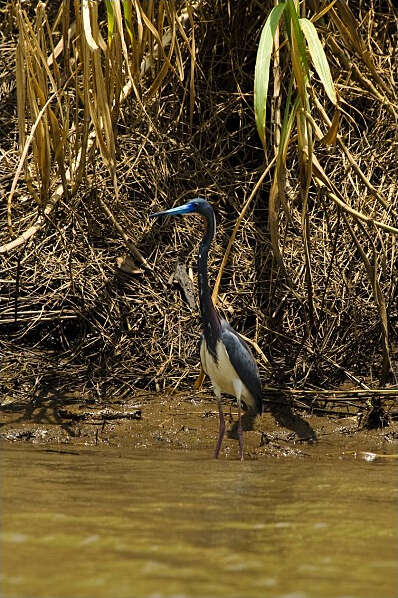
(128, 18)
(318, 58)
(261, 74)
(111, 19)
(288, 116)
(297, 50)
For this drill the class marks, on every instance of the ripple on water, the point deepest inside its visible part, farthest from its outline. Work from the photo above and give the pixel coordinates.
(106, 524)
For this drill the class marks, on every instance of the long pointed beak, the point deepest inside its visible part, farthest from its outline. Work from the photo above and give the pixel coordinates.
(178, 211)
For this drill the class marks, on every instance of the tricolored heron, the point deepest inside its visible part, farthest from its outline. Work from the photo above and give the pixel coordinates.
(225, 356)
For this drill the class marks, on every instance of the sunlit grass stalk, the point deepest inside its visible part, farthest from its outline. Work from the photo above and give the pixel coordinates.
(99, 75)
(303, 43)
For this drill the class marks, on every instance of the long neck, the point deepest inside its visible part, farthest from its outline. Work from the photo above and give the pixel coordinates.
(210, 318)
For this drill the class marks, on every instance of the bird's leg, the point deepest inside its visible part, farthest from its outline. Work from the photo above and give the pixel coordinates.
(238, 393)
(240, 433)
(221, 430)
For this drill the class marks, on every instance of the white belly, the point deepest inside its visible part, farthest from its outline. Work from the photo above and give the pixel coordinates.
(223, 375)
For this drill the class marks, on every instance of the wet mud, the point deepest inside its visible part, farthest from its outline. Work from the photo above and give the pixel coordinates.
(186, 422)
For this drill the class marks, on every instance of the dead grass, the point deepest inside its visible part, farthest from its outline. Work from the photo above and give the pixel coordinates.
(71, 318)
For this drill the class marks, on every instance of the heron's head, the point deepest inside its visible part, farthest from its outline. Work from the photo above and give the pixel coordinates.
(195, 206)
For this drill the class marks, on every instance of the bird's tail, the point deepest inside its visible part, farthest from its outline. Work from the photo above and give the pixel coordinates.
(255, 407)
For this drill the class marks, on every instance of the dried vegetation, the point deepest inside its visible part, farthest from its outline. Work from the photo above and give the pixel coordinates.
(113, 116)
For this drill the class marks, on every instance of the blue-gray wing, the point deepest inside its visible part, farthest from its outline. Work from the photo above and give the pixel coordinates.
(243, 361)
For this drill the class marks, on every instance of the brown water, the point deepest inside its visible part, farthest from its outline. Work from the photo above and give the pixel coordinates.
(109, 523)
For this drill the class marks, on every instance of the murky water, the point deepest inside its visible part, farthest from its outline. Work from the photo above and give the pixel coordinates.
(109, 523)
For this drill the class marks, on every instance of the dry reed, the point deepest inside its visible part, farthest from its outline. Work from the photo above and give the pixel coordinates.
(74, 316)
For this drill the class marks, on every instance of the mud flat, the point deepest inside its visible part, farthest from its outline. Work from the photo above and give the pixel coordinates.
(183, 422)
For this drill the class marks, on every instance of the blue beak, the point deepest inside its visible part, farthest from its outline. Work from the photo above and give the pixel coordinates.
(187, 208)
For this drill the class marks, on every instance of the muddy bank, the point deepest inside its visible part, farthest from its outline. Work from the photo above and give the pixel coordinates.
(186, 421)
